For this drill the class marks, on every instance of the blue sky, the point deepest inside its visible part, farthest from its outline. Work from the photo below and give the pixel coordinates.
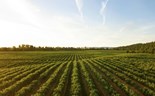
(77, 23)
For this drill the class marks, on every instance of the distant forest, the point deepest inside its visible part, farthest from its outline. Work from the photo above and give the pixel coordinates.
(26, 47)
(139, 48)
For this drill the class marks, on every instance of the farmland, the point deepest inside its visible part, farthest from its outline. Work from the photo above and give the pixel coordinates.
(77, 73)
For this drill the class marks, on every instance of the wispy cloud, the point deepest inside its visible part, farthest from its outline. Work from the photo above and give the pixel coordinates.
(79, 4)
(128, 26)
(102, 10)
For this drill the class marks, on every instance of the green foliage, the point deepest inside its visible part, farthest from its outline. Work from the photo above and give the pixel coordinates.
(139, 48)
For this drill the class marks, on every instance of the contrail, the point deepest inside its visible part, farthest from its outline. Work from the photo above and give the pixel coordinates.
(79, 4)
(102, 10)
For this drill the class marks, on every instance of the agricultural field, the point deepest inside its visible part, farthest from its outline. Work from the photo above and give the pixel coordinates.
(77, 73)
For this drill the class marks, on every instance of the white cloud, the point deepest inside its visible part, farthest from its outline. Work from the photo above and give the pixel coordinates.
(127, 27)
(102, 10)
(79, 4)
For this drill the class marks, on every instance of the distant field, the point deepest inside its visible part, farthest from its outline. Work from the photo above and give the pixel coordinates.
(77, 73)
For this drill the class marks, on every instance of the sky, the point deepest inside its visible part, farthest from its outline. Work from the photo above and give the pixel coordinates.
(76, 23)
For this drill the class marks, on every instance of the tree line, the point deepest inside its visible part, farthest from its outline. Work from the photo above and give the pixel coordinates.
(27, 47)
(135, 48)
